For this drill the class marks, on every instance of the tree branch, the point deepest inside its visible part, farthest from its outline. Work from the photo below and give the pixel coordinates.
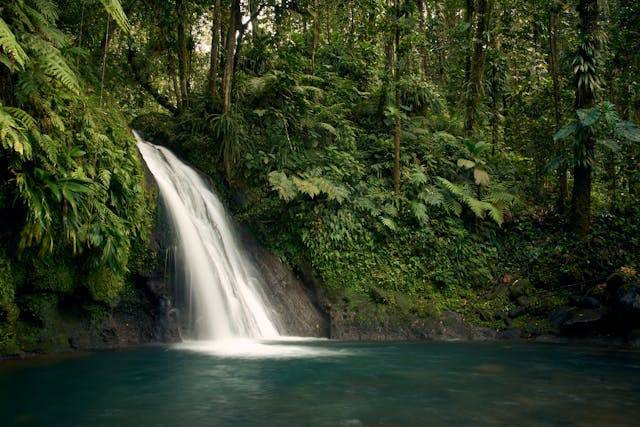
(145, 83)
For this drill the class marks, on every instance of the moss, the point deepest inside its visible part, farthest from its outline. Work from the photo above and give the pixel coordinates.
(105, 286)
(8, 309)
(143, 258)
(96, 313)
(54, 274)
(42, 309)
(32, 338)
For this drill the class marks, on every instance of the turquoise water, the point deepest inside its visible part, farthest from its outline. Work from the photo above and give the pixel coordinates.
(327, 384)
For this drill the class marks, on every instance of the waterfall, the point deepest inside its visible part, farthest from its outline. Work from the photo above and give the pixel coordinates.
(225, 288)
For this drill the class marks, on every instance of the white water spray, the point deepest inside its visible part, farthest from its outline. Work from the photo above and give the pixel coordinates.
(226, 299)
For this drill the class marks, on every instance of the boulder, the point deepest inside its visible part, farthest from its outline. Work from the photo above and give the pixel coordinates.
(582, 317)
(509, 334)
(627, 304)
(633, 339)
(571, 319)
(520, 288)
(559, 316)
(585, 302)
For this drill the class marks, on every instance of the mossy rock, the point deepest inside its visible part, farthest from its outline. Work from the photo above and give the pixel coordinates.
(42, 309)
(105, 286)
(380, 296)
(521, 288)
(54, 275)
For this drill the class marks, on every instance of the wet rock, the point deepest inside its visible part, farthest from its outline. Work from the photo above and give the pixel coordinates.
(525, 301)
(510, 334)
(627, 304)
(559, 316)
(633, 339)
(520, 288)
(446, 327)
(73, 343)
(517, 312)
(615, 280)
(582, 317)
(574, 318)
(585, 302)
(297, 306)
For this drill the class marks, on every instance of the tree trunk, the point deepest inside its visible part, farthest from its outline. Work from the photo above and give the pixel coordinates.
(230, 50)
(585, 98)
(397, 125)
(255, 22)
(553, 69)
(477, 64)
(423, 35)
(145, 83)
(183, 62)
(468, 19)
(316, 35)
(216, 38)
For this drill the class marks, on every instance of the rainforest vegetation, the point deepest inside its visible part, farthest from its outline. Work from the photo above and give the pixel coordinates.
(410, 156)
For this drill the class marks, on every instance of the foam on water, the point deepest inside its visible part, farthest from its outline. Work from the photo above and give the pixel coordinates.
(288, 348)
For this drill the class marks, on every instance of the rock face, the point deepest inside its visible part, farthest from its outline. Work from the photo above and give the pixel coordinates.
(296, 305)
(449, 326)
(627, 303)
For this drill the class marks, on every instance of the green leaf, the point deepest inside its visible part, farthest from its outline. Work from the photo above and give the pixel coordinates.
(388, 222)
(466, 163)
(114, 9)
(419, 211)
(565, 132)
(481, 177)
(589, 116)
(628, 131)
(9, 44)
(283, 185)
(77, 152)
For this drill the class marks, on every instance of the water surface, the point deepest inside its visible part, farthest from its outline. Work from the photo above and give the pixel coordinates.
(323, 383)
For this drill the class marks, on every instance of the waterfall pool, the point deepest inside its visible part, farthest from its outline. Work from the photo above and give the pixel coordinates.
(326, 383)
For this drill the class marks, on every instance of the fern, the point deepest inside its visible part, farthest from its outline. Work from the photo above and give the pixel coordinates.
(283, 185)
(114, 9)
(13, 131)
(54, 65)
(9, 44)
(48, 9)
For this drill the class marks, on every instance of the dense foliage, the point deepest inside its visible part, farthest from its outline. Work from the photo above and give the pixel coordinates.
(413, 154)
(71, 191)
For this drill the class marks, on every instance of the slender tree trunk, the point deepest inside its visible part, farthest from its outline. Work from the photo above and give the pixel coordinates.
(553, 68)
(585, 98)
(81, 31)
(216, 37)
(423, 36)
(468, 19)
(477, 64)
(255, 22)
(171, 69)
(105, 48)
(183, 62)
(171, 65)
(230, 50)
(316, 35)
(397, 129)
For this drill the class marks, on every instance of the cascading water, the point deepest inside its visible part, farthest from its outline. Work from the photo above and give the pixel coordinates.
(226, 299)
